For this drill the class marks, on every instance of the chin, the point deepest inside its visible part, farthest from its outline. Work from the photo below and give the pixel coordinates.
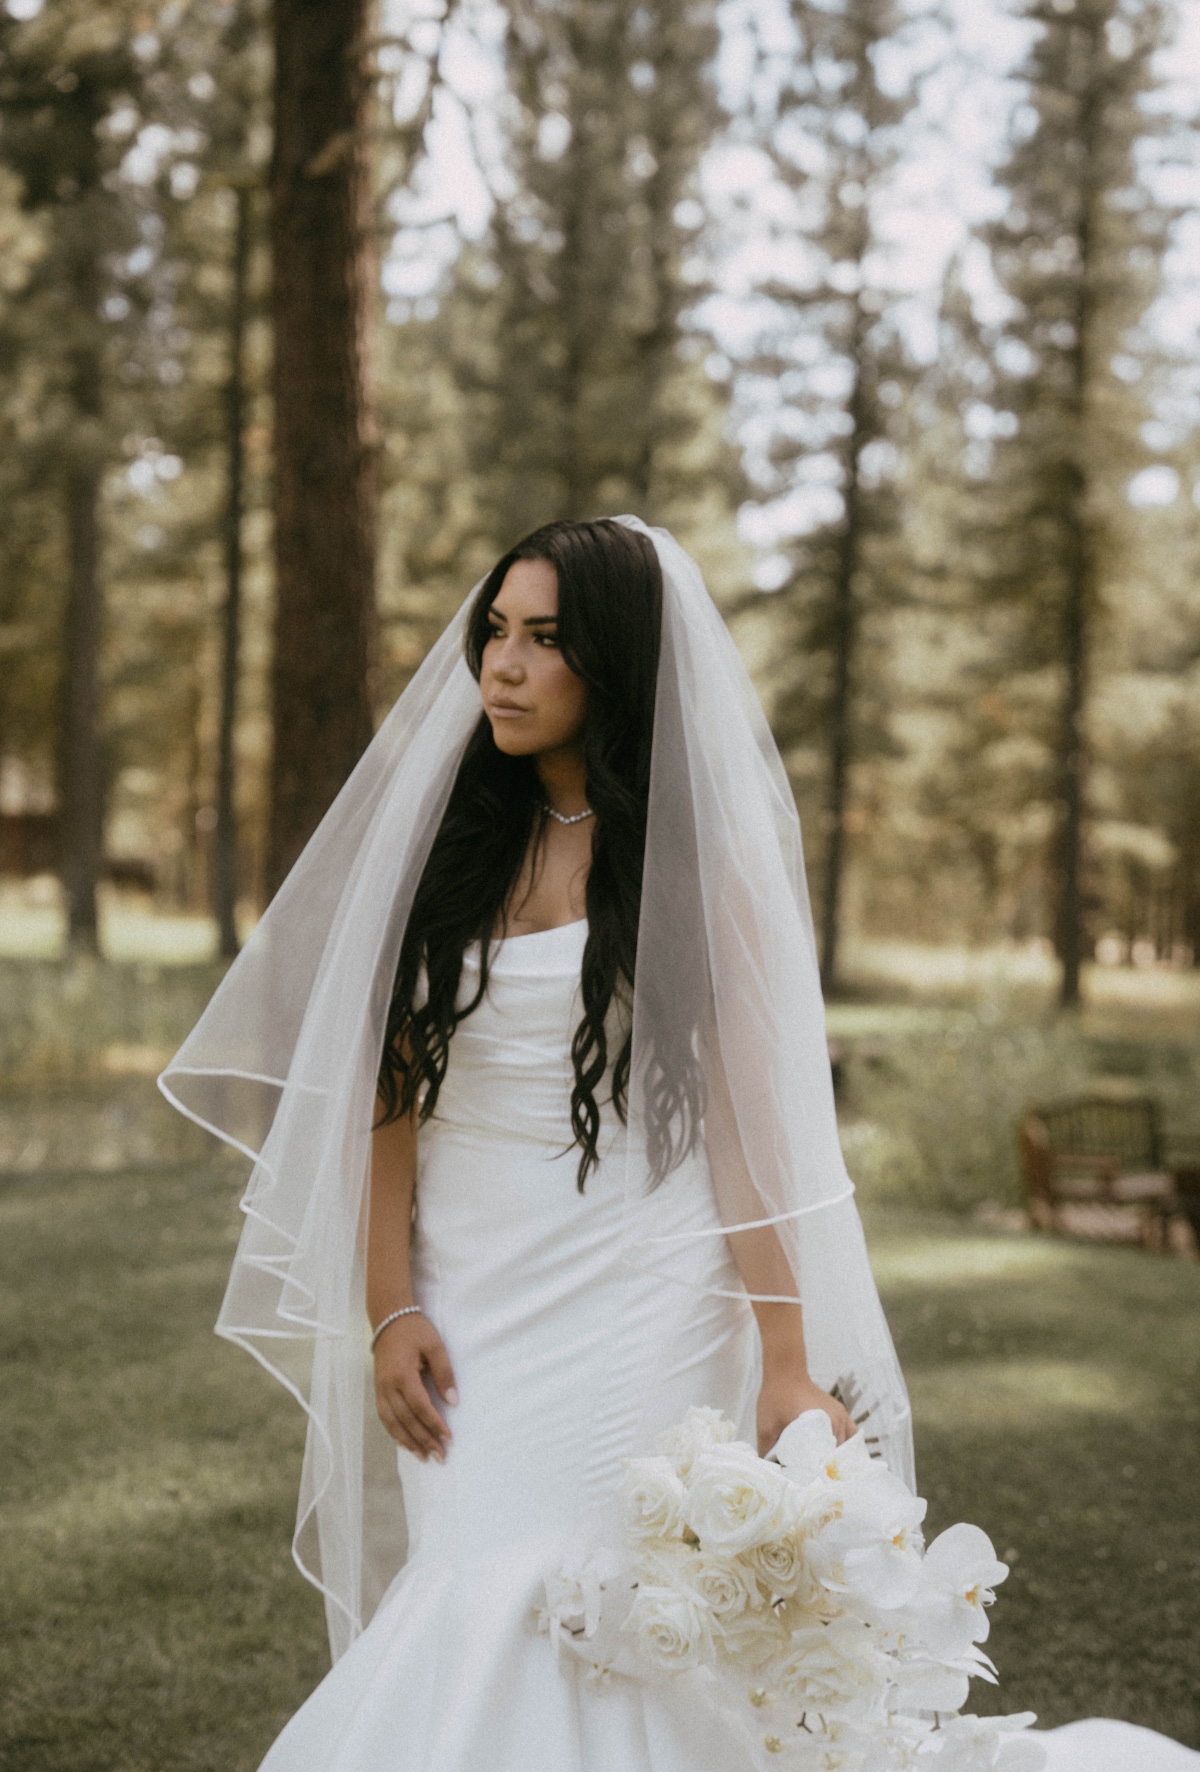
(514, 744)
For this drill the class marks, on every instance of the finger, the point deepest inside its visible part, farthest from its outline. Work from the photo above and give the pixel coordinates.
(416, 1440)
(397, 1432)
(419, 1401)
(441, 1371)
(425, 1441)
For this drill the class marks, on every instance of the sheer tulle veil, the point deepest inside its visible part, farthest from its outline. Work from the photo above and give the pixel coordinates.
(283, 1062)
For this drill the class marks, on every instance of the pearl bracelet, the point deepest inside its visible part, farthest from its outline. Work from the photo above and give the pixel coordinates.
(409, 1310)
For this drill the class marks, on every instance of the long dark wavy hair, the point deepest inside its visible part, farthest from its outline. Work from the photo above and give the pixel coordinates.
(609, 630)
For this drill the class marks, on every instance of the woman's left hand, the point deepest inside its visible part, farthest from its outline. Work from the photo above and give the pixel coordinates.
(784, 1396)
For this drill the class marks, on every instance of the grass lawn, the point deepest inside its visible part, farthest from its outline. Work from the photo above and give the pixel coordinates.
(150, 1614)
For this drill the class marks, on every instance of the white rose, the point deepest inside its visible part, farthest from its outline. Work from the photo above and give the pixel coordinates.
(779, 1564)
(752, 1640)
(667, 1562)
(651, 1499)
(835, 1669)
(726, 1585)
(735, 1500)
(700, 1430)
(670, 1628)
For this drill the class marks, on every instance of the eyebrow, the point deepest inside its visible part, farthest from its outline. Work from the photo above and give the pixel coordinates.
(531, 621)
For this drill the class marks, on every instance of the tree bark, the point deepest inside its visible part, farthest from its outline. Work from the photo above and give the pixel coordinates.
(841, 708)
(225, 857)
(1079, 601)
(325, 446)
(1072, 763)
(81, 763)
(81, 788)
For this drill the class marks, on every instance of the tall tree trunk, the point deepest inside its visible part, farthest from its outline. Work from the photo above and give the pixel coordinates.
(81, 789)
(841, 709)
(81, 763)
(325, 446)
(224, 877)
(1078, 602)
(1072, 764)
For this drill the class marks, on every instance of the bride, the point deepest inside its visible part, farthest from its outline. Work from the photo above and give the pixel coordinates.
(528, 1053)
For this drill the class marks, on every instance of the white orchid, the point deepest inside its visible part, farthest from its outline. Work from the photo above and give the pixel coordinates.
(988, 1744)
(840, 1746)
(736, 1500)
(805, 1447)
(871, 1550)
(585, 1605)
(922, 1684)
(958, 1576)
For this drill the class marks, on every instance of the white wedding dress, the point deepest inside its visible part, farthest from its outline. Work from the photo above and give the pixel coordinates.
(567, 1361)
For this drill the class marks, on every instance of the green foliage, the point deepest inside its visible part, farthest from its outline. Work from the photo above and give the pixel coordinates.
(933, 1121)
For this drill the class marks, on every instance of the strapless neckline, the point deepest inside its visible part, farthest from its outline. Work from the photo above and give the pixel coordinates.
(536, 934)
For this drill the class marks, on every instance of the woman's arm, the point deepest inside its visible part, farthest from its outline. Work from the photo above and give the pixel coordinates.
(787, 1389)
(410, 1348)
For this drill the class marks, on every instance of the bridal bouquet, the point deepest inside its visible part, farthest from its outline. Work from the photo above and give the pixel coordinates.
(803, 1584)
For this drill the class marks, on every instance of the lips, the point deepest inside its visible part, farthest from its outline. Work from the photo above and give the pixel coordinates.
(507, 710)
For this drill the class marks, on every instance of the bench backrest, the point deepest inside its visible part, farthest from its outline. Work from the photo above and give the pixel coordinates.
(1127, 1132)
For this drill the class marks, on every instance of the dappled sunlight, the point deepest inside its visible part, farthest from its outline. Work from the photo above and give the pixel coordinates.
(132, 927)
(1006, 1396)
(1009, 969)
(942, 1262)
(148, 1495)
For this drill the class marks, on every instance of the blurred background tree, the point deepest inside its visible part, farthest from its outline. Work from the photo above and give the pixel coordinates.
(1079, 248)
(275, 389)
(838, 375)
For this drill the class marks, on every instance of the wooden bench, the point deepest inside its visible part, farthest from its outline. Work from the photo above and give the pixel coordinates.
(1095, 1167)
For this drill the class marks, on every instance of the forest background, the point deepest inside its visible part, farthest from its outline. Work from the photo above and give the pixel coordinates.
(887, 307)
(890, 310)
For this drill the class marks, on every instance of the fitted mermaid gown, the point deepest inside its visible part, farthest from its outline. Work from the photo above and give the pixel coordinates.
(567, 1361)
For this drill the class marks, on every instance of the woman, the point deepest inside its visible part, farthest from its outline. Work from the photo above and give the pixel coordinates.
(546, 978)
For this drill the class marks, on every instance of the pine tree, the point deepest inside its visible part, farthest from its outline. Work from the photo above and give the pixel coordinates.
(61, 76)
(834, 358)
(1078, 249)
(611, 105)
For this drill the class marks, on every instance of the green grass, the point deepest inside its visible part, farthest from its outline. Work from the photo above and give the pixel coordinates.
(1056, 1390)
(151, 1616)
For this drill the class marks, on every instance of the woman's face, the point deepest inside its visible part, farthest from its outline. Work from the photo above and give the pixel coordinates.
(532, 697)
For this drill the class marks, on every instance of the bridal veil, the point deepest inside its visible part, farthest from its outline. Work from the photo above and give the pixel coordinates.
(283, 1062)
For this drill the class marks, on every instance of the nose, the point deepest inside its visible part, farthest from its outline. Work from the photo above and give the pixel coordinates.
(506, 661)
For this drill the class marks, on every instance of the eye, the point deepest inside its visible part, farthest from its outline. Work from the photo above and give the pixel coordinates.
(547, 639)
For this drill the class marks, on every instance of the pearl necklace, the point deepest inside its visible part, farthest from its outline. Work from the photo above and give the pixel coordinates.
(575, 818)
